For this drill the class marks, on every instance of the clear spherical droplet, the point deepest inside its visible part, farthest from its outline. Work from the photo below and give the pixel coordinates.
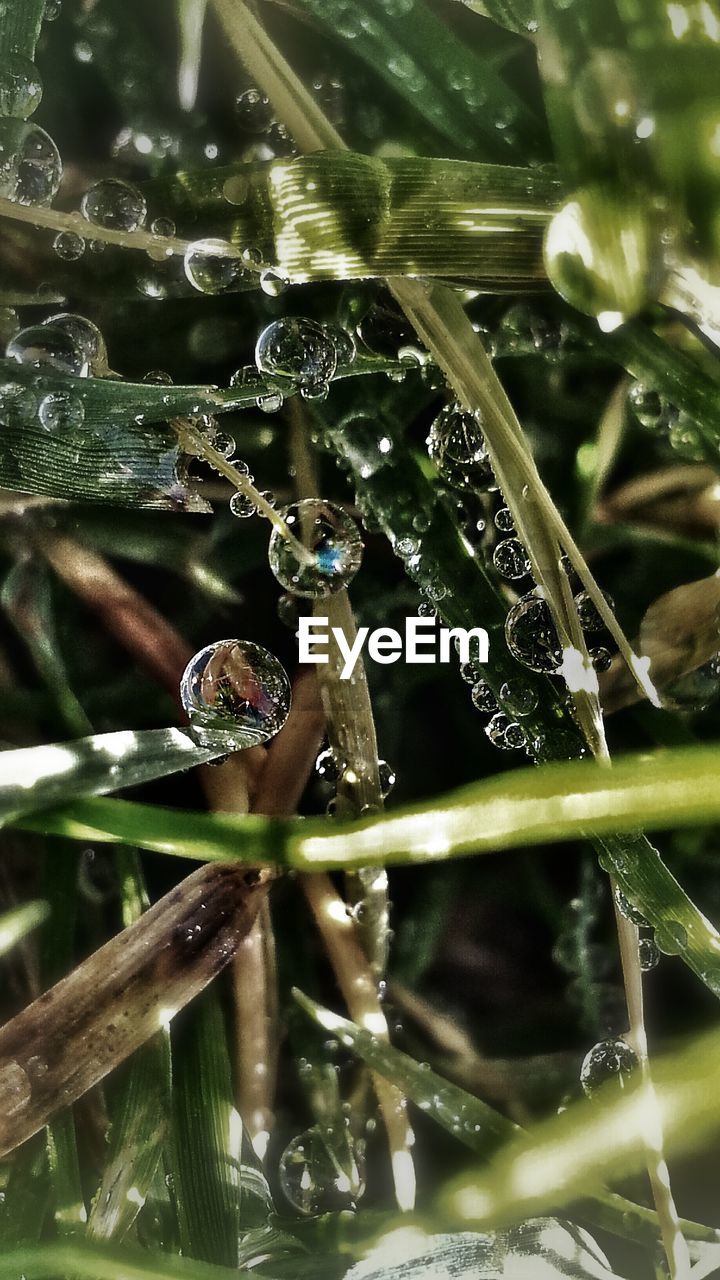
(504, 520)
(313, 1181)
(651, 410)
(531, 636)
(630, 912)
(115, 205)
(330, 536)
(69, 246)
(272, 281)
(588, 614)
(608, 1060)
(511, 559)
(86, 336)
(387, 777)
(457, 447)
(242, 506)
(483, 698)
(45, 347)
(235, 694)
(30, 164)
(328, 766)
(20, 86)
(518, 697)
(298, 349)
(213, 266)
(61, 414)
(649, 954)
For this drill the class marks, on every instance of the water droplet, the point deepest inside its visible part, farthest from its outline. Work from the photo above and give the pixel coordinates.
(242, 506)
(163, 227)
(628, 910)
(52, 10)
(328, 766)
(518, 698)
(253, 111)
(332, 538)
(457, 447)
(504, 520)
(213, 266)
(61, 414)
(649, 954)
(235, 694)
(601, 658)
(588, 614)
(650, 409)
(20, 86)
(69, 246)
(312, 1178)
(365, 443)
(483, 698)
(511, 559)
(45, 347)
(531, 636)
(387, 778)
(671, 937)
(273, 281)
(86, 337)
(30, 164)
(608, 1060)
(115, 205)
(299, 349)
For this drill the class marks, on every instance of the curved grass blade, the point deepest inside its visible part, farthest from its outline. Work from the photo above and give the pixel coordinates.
(93, 1262)
(20, 921)
(20, 28)
(38, 777)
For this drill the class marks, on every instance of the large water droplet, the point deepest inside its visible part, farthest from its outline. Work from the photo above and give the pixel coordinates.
(298, 349)
(365, 443)
(608, 1060)
(313, 1180)
(30, 164)
(69, 246)
(235, 694)
(651, 410)
(62, 414)
(86, 336)
(511, 559)
(20, 86)
(115, 205)
(457, 447)
(213, 266)
(531, 636)
(46, 346)
(333, 540)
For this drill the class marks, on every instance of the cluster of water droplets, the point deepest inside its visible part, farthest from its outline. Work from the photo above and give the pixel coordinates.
(334, 771)
(30, 164)
(235, 694)
(657, 414)
(304, 352)
(64, 343)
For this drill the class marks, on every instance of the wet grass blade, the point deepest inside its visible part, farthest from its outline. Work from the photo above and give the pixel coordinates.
(92, 1020)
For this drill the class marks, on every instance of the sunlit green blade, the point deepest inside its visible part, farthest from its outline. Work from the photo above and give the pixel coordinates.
(594, 1140)
(219, 1195)
(16, 924)
(92, 1262)
(35, 777)
(343, 216)
(555, 802)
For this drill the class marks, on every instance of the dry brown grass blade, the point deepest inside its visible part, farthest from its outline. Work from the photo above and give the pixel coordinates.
(679, 633)
(70, 1038)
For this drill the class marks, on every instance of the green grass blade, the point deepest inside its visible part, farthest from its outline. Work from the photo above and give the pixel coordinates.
(17, 923)
(20, 28)
(219, 1197)
(36, 777)
(532, 806)
(92, 1262)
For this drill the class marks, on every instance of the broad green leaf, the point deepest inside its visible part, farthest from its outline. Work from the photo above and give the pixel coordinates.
(38, 777)
(532, 806)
